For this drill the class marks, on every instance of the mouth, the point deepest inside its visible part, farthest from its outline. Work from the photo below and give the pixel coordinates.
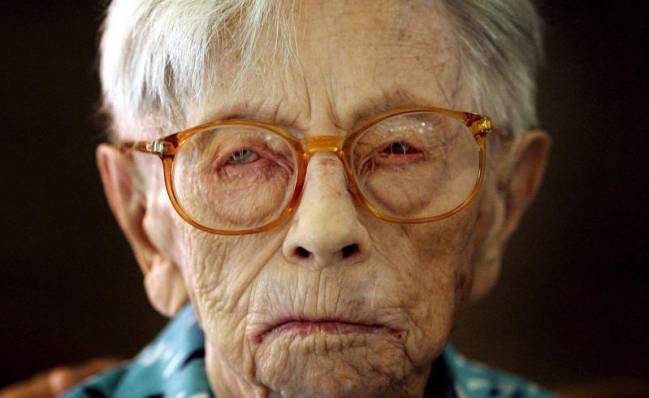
(306, 327)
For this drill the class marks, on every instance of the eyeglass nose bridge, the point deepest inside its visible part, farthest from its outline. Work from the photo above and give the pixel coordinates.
(327, 143)
(335, 144)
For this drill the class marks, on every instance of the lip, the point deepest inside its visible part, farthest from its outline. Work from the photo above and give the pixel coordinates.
(306, 327)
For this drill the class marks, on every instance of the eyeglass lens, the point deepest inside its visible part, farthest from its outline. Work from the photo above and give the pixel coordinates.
(414, 165)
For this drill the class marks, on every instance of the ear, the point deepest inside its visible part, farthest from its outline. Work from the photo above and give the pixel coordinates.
(163, 280)
(516, 186)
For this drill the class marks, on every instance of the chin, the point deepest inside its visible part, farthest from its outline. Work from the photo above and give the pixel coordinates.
(332, 362)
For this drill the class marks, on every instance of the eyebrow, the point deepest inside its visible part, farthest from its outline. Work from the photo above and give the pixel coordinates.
(359, 114)
(387, 101)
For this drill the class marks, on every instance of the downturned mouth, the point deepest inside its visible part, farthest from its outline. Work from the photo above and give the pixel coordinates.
(304, 327)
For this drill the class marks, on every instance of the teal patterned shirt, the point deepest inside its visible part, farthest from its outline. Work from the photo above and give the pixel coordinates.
(173, 366)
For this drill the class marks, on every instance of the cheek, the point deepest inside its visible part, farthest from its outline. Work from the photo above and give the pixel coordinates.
(433, 270)
(430, 308)
(234, 203)
(162, 224)
(221, 274)
(462, 287)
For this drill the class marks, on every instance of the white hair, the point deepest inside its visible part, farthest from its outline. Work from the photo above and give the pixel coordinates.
(502, 45)
(155, 54)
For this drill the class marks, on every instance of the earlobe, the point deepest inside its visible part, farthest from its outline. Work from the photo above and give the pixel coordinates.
(165, 286)
(162, 278)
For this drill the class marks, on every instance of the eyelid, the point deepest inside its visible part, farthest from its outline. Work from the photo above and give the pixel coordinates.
(227, 152)
(253, 157)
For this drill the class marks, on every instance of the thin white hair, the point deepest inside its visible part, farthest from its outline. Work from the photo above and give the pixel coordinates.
(157, 56)
(502, 48)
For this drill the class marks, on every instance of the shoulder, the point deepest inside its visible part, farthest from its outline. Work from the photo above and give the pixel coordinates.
(474, 380)
(171, 366)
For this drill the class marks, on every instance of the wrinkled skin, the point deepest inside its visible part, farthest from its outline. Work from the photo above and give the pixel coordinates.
(403, 276)
(408, 282)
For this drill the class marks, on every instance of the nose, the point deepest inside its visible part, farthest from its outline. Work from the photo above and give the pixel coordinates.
(325, 230)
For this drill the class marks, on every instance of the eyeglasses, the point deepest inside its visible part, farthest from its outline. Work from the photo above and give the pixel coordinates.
(236, 177)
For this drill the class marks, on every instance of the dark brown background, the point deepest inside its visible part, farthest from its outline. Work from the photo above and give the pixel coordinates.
(572, 303)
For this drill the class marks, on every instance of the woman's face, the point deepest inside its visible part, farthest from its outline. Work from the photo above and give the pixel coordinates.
(334, 302)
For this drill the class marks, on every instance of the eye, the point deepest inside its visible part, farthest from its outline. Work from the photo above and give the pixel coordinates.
(242, 156)
(399, 148)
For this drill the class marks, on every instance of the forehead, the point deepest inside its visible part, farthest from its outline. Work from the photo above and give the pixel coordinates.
(352, 60)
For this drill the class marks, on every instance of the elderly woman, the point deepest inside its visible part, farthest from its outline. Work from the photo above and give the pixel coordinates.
(327, 183)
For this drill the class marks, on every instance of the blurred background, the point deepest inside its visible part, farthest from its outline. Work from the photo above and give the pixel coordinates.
(572, 305)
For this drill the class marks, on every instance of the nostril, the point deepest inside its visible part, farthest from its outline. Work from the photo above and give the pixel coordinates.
(302, 252)
(350, 250)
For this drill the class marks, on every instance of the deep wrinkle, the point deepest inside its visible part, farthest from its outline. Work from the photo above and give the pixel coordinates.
(372, 106)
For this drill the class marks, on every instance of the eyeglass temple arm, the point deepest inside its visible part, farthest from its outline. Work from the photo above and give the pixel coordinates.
(160, 148)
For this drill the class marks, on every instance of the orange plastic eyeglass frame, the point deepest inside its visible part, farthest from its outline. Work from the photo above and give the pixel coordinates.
(167, 147)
